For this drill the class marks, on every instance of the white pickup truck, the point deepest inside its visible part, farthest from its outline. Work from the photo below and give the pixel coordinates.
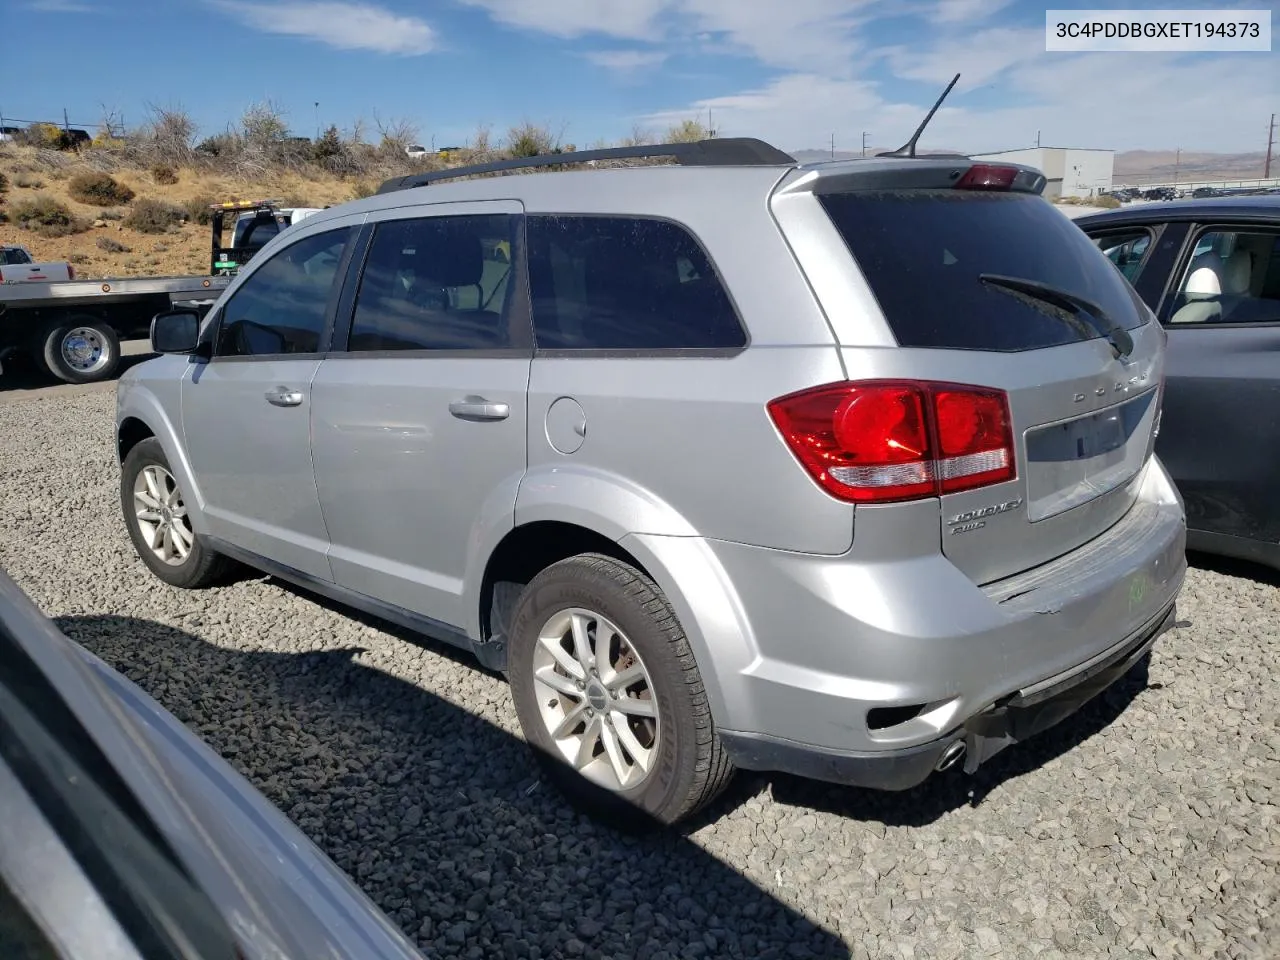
(16, 265)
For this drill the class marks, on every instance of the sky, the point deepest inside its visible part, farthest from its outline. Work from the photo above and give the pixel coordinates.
(794, 72)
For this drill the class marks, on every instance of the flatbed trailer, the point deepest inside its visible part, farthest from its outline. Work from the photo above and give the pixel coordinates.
(73, 328)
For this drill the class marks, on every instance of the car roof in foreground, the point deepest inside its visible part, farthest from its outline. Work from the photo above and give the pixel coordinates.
(1256, 207)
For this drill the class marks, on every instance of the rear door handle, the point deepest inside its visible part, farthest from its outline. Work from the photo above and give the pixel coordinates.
(284, 397)
(478, 408)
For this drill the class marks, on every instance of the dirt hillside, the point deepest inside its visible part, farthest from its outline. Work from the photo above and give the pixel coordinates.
(184, 249)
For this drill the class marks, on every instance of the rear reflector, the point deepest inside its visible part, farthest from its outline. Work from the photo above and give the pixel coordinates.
(885, 441)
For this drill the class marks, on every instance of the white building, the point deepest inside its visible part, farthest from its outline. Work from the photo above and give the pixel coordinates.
(1070, 171)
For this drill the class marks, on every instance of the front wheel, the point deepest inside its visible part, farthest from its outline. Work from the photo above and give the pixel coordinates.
(609, 696)
(155, 511)
(81, 349)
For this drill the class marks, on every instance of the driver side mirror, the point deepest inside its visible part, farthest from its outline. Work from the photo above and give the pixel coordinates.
(175, 331)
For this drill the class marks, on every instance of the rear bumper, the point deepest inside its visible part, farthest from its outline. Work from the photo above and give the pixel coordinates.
(865, 668)
(1014, 718)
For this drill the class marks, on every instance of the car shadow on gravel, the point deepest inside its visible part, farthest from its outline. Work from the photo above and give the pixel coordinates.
(953, 789)
(443, 818)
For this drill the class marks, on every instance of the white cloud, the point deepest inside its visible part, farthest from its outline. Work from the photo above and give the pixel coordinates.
(347, 26)
(962, 11)
(59, 6)
(978, 58)
(803, 34)
(625, 61)
(1073, 101)
(628, 19)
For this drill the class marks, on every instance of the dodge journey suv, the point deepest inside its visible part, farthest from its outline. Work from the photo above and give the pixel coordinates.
(841, 469)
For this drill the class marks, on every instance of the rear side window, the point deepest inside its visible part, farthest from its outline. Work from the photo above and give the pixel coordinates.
(625, 283)
(436, 283)
(923, 253)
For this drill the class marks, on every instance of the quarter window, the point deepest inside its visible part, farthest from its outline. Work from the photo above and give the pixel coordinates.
(625, 283)
(280, 307)
(436, 283)
(1232, 277)
(1128, 251)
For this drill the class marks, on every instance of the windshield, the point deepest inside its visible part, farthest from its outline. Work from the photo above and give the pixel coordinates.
(924, 253)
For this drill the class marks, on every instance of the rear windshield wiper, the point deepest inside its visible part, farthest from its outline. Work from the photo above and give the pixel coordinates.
(1119, 338)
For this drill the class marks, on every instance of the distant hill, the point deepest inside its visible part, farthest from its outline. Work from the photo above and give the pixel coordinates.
(1131, 165)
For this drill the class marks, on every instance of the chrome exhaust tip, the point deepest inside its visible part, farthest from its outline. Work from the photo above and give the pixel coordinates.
(950, 756)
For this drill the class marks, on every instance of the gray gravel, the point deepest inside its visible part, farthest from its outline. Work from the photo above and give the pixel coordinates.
(1145, 827)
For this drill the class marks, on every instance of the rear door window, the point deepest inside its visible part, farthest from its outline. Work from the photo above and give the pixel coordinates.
(924, 252)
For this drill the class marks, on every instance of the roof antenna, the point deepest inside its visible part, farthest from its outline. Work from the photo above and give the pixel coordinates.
(908, 149)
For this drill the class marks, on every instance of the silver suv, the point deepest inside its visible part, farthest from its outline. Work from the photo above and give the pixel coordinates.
(842, 469)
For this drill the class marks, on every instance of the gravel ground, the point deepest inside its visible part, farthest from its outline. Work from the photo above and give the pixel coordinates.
(1146, 826)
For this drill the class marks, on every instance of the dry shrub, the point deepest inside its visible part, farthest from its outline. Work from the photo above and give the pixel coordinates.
(530, 140)
(111, 214)
(27, 182)
(78, 258)
(99, 189)
(197, 209)
(4, 185)
(111, 245)
(150, 215)
(46, 217)
(164, 174)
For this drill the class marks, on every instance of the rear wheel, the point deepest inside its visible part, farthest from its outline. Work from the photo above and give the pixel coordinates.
(81, 349)
(609, 696)
(155, 511)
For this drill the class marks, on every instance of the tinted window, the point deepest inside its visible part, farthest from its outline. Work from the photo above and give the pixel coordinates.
(438, 283)
(625, 283)
(280, 307)
(1231, 277)
(923, 253)
(1128, 251)
(12, 257)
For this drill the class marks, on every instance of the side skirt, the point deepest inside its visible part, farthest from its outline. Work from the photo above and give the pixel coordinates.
(490, 654)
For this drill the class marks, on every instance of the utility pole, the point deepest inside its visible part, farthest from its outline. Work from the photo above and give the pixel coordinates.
(1177, 162)
(66, 124)
(1271, 141)
(1037, 139)
(864, 143)
(317, 121)
(833, 146)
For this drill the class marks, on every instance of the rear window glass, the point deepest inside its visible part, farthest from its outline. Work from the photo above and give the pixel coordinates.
(923, 253)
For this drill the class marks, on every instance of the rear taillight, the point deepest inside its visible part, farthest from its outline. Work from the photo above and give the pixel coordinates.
(71, 272)
(984, 176)
(883, 441)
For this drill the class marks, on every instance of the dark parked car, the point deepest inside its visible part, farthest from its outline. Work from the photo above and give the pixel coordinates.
(1210, 269)
(125, 836)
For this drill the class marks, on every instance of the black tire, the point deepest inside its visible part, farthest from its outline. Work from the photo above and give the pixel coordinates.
(101, 336)
(692, 767)
(202, 567)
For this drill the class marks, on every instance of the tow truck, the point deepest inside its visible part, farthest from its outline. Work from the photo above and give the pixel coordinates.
(72, 328)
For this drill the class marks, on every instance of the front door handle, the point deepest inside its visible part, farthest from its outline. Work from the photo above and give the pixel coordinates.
(284, 397)
(478, 408)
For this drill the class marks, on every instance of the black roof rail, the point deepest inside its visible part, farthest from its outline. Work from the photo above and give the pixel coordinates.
(717, 151)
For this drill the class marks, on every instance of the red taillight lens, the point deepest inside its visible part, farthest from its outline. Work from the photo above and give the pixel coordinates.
(984, 176)
(885, 441)
(975, 440)
(71, 271)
